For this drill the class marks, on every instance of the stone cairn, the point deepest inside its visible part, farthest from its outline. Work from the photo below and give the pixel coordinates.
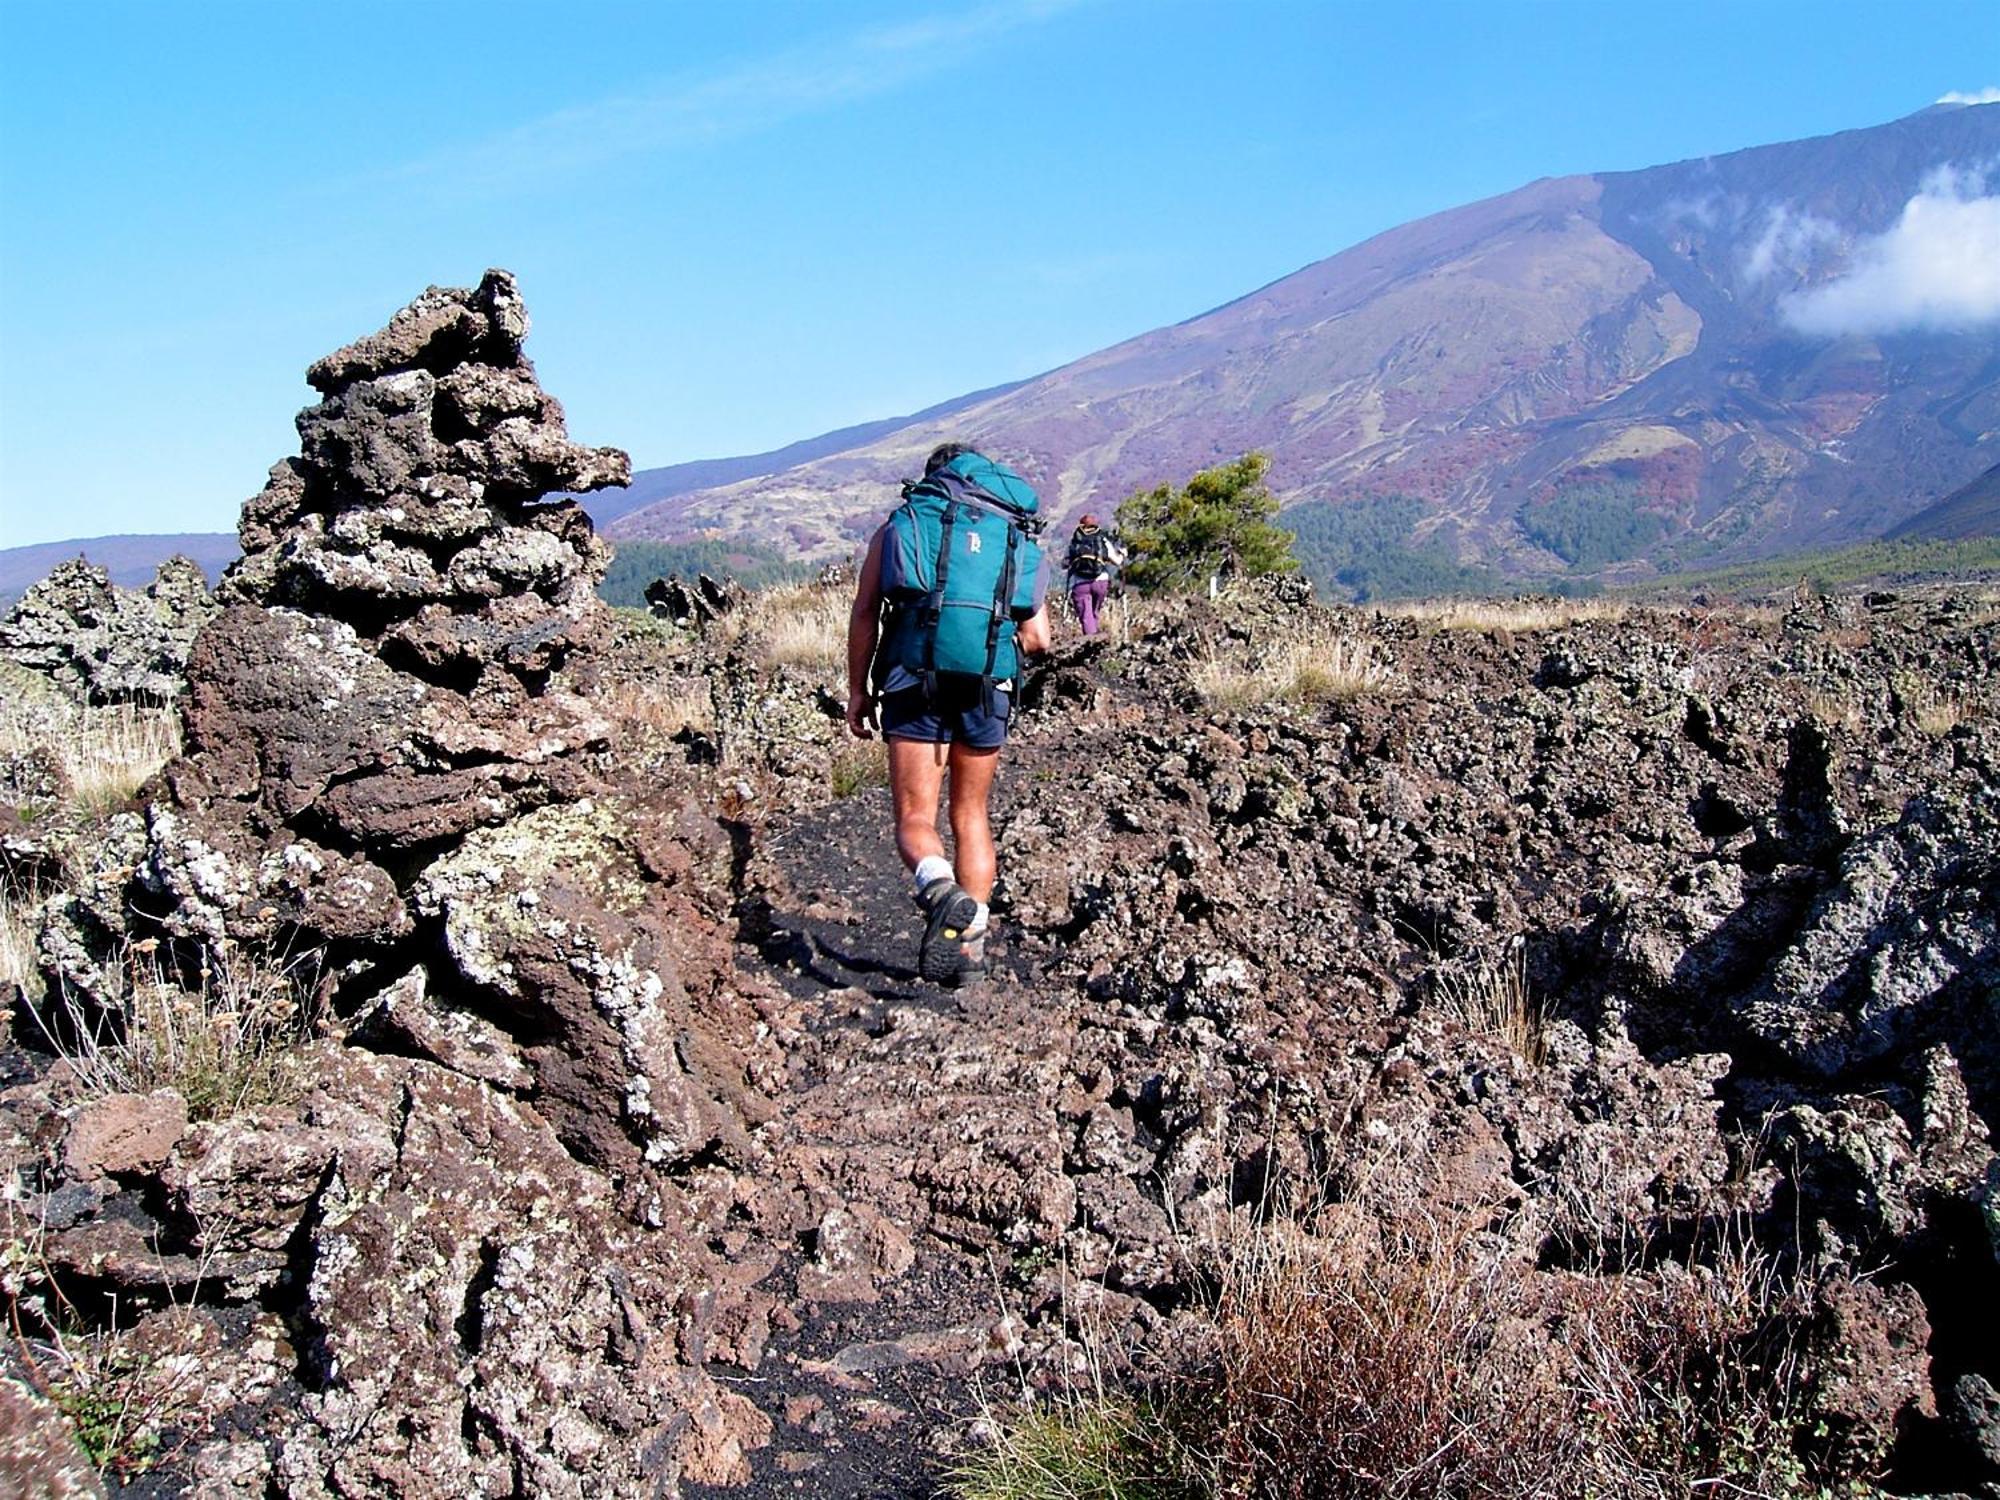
(475, 1216)
(383, 675)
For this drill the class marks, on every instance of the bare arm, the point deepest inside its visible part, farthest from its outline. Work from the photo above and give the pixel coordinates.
(1033, 636)
(864, 625)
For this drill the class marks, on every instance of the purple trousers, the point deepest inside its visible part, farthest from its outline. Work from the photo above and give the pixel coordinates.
(1088, 595)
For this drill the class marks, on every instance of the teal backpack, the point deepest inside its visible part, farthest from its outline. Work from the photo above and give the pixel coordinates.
(960, 569)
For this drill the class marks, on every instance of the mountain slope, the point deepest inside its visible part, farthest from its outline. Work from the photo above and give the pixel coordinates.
(1972, 510)
(655, 487)
(131, 560)
(1632, 336)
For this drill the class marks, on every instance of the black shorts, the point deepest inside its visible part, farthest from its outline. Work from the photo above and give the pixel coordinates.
(956, 715)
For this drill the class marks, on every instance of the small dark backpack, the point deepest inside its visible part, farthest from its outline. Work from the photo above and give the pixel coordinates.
(1087, 555)
(959, 568)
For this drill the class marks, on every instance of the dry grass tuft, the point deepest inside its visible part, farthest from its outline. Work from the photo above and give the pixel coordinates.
(1115, 621)
(1383, 1351)
(1401, 1358)
(1511, 615)
(800, 625)
(103, 755)
(1939, 713)
(1318, 664)
(17, 940)
(228, 1041)
(667, 706)
(1836, 711)
(1492, 998)
(1935, 710)
(856, 766)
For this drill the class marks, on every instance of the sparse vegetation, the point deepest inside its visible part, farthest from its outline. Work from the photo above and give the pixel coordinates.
(129, 1394)
(1935, 710)
(1098, 1447)
(1178, 538)
(1346, 1355)
(1513, 615)
(101, 754)
(1835, 568)
(855, 766)
(1491, 997)
(226, 1039)
(667, 705)
(1836, 710)
(798, 625)
(1317, 664)
(17, 939)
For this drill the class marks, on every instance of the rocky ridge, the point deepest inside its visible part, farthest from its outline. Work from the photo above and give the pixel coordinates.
(105, 644)
(628, 1156)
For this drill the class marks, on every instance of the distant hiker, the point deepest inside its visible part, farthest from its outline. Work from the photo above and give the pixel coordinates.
(1226, 569)
(950, 595)
(1092, 557)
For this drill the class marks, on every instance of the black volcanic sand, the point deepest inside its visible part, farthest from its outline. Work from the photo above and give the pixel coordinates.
(872, 1433)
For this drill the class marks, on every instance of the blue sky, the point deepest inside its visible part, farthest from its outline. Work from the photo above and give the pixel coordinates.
(743, 222)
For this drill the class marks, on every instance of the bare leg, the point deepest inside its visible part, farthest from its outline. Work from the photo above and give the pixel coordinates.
(971, 833)
(916, 772)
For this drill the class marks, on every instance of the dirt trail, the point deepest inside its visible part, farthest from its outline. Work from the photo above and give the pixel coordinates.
(931, 1118)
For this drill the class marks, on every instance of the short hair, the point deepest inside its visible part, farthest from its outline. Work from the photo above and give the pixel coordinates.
(943, 454)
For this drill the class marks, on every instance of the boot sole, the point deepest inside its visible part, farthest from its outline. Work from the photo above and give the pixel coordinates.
(939, 959)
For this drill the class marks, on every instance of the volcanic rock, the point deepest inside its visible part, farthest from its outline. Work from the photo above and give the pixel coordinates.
(37, 1455)
(693, 605)
(482, 1204)
(106, 644)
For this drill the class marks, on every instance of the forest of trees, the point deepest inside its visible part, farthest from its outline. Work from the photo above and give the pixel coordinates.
(1592, 524)
(634, 564)
(1366, 549)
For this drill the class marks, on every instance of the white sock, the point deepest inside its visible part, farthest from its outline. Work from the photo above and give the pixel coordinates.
(932, 867)
(978, 923)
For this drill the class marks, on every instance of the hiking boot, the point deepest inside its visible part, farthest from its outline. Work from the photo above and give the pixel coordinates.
(972, 957)
(949, 911)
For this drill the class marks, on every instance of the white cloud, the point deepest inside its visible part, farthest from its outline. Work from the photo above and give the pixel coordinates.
(1984, 96)
(1788, 243)
(1938, 268)
(752, 96)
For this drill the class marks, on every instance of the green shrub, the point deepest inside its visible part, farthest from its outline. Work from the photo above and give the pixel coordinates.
(1178, 538)
(1097, 1447)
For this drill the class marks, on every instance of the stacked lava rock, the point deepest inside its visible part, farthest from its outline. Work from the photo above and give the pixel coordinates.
(383, 675)
(471, 1213)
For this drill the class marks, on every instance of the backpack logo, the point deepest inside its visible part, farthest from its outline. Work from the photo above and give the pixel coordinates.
(972, 541)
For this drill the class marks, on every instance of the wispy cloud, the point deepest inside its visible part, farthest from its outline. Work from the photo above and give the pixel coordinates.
(1937, 267)
(1788, 243)
(751, 96)
(1984, 96)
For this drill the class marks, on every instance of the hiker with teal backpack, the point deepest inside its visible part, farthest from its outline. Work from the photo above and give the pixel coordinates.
(949, 598)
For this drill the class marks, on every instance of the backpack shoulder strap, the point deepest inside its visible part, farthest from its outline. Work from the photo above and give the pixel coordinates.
(933, 608)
